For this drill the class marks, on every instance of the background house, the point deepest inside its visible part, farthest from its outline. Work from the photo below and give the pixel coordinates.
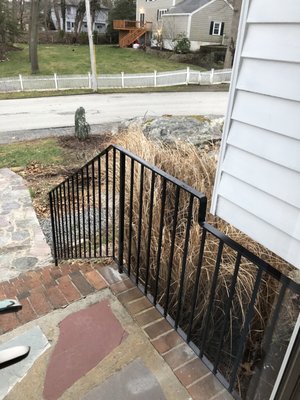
(99, 24)
(204, 22)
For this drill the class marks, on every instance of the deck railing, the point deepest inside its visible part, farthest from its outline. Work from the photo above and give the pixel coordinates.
(128, 25)
(120, 206)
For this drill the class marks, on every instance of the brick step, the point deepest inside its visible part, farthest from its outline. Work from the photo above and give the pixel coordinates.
(46, 289)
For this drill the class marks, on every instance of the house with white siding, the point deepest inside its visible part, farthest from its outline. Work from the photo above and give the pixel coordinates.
(203, 22)
(99, 24)
(257, 186)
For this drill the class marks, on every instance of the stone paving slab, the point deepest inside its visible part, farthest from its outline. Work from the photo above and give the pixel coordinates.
(22, 243)
(11, 375)
(134, 382)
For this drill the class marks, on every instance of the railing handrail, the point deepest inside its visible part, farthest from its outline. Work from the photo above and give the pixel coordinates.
(108, 209)
(264, 265)
(170, 178)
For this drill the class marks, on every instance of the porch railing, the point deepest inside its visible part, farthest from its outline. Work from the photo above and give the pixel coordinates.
(120, 206)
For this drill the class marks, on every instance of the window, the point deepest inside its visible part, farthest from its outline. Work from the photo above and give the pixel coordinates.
(142, 18)
(68, 25)
(216, 28)
(161, 12)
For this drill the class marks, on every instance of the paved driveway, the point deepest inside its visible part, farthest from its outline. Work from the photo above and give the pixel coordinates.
(54, 112)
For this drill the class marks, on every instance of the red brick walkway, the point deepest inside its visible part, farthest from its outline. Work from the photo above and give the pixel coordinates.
(47, 289)
(42, 291)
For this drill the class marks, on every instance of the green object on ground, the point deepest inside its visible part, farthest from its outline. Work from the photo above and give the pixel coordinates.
(82, 128)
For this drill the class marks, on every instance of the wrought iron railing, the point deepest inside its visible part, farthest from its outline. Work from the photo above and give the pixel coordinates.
(153, 225)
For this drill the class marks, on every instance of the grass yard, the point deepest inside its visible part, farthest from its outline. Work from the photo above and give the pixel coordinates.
(22, 154)
(67, 59)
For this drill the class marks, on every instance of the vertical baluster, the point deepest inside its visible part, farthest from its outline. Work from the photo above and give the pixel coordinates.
(78, 216)
(121, 211)
(94, 210)
(140, 224)
(54, 234)
(83, 213)
(149, 231)
(57, 227)
(70, 218)
(130, 214)
(184, 258)
(107, 201)
(114, 204)
(245, 331)
(161, 229)
(227, 309)
(88, 208)
(173, 239)
(62, 222)
(74, 215)
(100, 205)
(212, 293)
(196, 284)
(66, 219)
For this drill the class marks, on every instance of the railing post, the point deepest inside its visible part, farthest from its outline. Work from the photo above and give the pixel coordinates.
(53, 229)
(21, 82)
(155, 78)
(123, 81)
(212, 76)
(121, 212)
(187, 75)
(55, 81)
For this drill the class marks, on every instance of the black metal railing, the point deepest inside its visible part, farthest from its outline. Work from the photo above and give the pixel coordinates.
(213, 291)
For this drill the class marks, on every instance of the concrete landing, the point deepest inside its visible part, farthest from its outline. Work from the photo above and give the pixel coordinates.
(133, 382)
(22, 243)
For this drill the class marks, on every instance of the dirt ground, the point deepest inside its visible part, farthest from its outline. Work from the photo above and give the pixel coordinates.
(41, 179)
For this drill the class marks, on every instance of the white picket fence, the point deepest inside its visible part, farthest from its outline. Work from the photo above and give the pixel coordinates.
(117, 81)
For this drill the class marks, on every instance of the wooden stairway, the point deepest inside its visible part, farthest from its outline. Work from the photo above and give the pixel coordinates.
(131, 37)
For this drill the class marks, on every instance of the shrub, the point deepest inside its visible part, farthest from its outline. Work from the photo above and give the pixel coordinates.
(182, 44)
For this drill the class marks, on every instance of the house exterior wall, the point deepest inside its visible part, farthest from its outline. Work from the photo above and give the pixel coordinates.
(150, 8)
(100, 23)
(258, 178)
(174, 25)
(218, 11)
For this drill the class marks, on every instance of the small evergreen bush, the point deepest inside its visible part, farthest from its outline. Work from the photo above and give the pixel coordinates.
(182, 44)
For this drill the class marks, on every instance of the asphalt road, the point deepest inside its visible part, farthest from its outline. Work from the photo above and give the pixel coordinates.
(55, 112)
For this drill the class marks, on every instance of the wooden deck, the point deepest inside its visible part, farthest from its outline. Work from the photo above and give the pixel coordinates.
(130, 31)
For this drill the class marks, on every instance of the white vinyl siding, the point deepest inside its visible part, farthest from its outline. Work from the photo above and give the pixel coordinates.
(258, 179)
(174, 26)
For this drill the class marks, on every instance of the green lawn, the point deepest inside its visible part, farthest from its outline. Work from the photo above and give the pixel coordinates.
(66, 59)
(45, 151)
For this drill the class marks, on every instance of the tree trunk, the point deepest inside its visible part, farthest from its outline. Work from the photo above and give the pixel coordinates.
(237, 5)
(33, 42)
(56, 12)
(63, 14)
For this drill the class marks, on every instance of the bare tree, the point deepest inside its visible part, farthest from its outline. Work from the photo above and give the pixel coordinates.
(63, 14)
(56, 12)
(237, 5)
(33, 38)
